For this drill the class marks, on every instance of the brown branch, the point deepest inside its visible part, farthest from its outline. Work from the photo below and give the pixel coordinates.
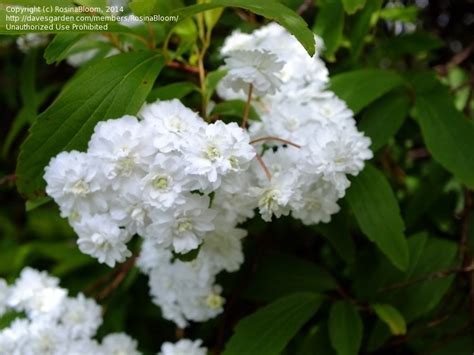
(457, 59)
(305, 6)
(245, 118)
(182, 66)
(179, 333)
(246, 16)
(273, 138)
(122, 272)
(107, 283)
(418, 153)
(264, 167)
(7, 179)
(428, 277)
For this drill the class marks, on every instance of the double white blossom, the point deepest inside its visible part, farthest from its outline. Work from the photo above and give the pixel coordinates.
(185, 185)
(306, 181)
(55, 323)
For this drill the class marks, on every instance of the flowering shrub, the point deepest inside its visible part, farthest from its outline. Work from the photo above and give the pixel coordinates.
(207, 183)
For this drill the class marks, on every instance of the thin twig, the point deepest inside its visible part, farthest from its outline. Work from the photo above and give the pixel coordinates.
(305, 6)
(184, 67)
(247, 107)
(179, 333)
(264, 167)
(113, 279)
(273, 138)
(428, 277)
(8, 179)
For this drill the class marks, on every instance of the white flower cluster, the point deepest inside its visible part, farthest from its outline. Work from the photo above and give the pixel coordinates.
(149, 177)
(155, 177)
(185, 185)
(306, 180)
(54, 323)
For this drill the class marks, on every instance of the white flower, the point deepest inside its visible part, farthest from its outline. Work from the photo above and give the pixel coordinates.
(27, 286)
(258, 68)
(130, 211)
(119, 344)
(319, 203)
(219, 149)
(43, 338)
(101, 238)
(223, 248)
(46, 302)
(49, 333)
(170, 124)
(165, 182)
(183, 347)
(184, 226)
(74, 182)
(335, 155)
(11, 336)
(275, 198)
(81, 316)
(121, 146)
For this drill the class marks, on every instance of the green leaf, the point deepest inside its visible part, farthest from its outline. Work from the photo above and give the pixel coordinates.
(414, 292)
(270, 9)
(345, 328)
(329, 25)
(430, 255)
(172, 91)
(60, 46)
(110, 88)
(31, 205)
(316, 341)
(361, 26)
(8, 317)
(234, 108)
(352, 6)
(408, 14)
(281, 274)
(361, 87)
(211, 17)
(275, 324)
(382, 120)
(447, 133)
(409, 43)
(378, 214)
(154, 7)
(392, 317)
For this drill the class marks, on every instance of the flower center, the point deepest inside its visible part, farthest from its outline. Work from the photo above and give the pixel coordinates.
(100, 241)
(293, 124)
(125, 166)
(234, 162)
(213, 153)
(214, 301)
(184, 225)
(161, 182)
(80, 188)
(269, 199)
(326, 111)
(175, 124)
